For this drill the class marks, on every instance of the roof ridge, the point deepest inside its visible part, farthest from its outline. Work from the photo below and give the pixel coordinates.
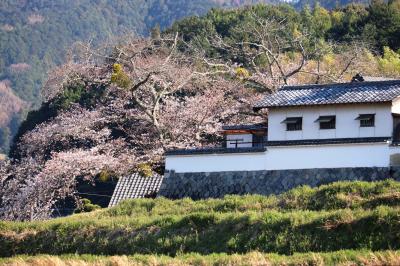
(343, 84)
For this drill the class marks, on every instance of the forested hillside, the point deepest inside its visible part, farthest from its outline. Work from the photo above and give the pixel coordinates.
(112, 112)
(330, 4)
(35, 36)
(376, 25)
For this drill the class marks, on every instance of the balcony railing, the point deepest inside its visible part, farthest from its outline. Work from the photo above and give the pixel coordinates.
(222, 147)
(238, 143)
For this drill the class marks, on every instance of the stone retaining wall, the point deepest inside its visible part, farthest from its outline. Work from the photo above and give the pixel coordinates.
(218, 184)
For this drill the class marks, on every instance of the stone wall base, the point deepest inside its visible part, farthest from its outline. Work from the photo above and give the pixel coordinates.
(219, 184)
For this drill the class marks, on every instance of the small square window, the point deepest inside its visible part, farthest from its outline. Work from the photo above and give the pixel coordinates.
(327, 122)
(366, 120)
(293, 123)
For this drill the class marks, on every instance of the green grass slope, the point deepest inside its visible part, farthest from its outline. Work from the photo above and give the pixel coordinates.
(345, 215)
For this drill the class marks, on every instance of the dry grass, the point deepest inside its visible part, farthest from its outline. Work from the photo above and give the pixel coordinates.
(390, 258)
(342, 258)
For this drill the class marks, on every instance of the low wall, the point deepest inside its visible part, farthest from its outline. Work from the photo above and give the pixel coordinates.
(218, 184)
(285, 158)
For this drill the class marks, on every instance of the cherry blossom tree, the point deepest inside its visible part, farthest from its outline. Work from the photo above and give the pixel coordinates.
(146, 97)
(19, 68)
(35, 19)
(10, 104)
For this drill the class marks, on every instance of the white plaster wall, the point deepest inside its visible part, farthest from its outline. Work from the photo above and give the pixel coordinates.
(216, 162)
(284, 158)
(328, 156)
(246, 138)
(394, 156)
(394, 150)
(346, 125)
(396, 106)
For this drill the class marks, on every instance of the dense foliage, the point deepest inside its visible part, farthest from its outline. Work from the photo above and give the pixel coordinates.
(35, 35)
(116, 108)
(377, 24)
(344, 215)
(329, 4)
(113, 108)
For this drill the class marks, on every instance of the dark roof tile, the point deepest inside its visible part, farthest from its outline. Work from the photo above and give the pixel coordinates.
(339, 93)
(245, 127)
(307, 142)
(215, 151)
(134, 187)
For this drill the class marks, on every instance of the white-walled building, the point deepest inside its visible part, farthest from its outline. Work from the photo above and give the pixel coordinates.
(347, 125)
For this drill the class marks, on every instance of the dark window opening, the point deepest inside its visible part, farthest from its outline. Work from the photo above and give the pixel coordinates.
(327, 122)
(396, 128)
(293, 123)
(366, 120)
(258, 140)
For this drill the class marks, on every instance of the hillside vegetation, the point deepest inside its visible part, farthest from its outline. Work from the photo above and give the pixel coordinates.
(37, 35)
(112, 111)
(377, 24)
(345, 215)
(330, 4)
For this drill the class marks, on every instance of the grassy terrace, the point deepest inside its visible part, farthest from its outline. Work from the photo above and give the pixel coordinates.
(359, 216)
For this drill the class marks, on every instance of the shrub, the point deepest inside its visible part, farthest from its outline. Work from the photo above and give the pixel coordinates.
(87, 206)
(145, 170)
(119, 77)
(242, 73)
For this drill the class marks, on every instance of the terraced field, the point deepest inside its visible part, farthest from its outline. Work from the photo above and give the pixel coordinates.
(353, 223)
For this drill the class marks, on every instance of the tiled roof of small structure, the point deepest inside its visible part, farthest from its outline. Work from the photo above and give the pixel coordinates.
(135, 186)
(215, 151)
(370, 78)
(245, 127)
(311, 142)
(338, 93)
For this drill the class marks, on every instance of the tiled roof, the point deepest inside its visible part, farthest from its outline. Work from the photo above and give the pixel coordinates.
(307, 142)
(246, 127)
(215, 151)
(134, 187)
(339, 93)
(370, 78)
